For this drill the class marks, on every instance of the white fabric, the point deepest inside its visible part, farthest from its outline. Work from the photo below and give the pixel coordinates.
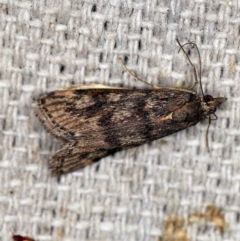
(47, 45)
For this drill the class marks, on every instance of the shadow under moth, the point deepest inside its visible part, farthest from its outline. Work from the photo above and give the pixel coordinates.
(93, 121)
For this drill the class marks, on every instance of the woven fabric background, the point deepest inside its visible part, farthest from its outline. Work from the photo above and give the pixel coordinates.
(47, 45)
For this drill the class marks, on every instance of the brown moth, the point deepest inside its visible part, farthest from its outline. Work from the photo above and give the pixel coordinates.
(92, 122)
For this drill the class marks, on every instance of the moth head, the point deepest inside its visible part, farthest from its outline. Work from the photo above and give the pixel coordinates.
(210, 104)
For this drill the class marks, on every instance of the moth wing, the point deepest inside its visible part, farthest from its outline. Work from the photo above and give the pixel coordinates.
(74, 156)
(81, 114)
(94, 123)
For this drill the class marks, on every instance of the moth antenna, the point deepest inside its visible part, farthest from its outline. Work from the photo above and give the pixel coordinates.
(193, 66)
(134, 76)
(200, 82)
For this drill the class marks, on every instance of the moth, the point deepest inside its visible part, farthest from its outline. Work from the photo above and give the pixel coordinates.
(94, 121)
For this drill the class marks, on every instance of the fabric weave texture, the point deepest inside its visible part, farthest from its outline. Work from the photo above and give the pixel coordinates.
(48, 45)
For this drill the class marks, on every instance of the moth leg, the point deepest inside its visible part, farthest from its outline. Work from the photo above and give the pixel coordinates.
(134, 151)
(135, 77)
(206, 137)
(74, 156)
(192, 65)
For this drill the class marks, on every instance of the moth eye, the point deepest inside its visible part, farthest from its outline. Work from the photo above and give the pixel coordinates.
(208, 98)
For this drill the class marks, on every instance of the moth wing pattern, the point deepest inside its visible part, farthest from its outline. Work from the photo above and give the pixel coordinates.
(73, 114)
(73, 156)
(93, 123)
